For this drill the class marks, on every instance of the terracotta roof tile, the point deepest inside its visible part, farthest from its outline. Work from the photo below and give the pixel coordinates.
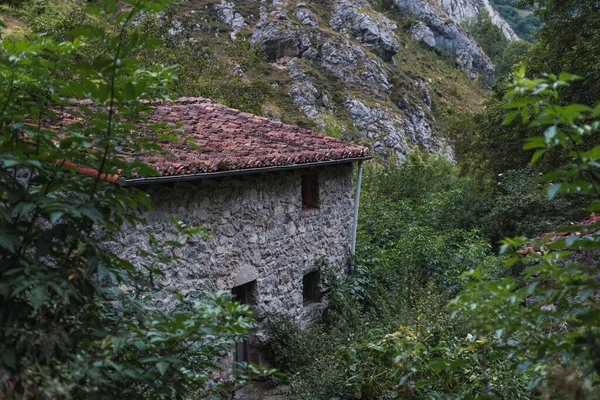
(591, 221)
(230, 139)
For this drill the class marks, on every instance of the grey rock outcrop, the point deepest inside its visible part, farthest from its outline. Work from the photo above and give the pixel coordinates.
(448, 35)
(305, 16)
(276, 40)
(297, 39)
(276, 35)
(374, 32)
(390, 130)
(227, 14)
(422, 33)
(354, 66)
(384, 129)
(465, 10)
(304, 92)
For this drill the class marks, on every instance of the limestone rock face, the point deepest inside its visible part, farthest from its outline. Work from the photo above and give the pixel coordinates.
(305, 16)
(422, 33)
(336, 60)
(447, 35)
(225, 11)
(227, 14)
(276, 40)
(352, 64)
(374, 32)
(388, 129)
(304, 92)
(464, 10)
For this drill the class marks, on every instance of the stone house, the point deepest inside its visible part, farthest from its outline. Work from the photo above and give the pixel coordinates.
(277, 198)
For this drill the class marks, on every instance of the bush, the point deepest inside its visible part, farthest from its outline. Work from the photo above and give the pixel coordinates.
(410, 261)
(76, 319)
(520, 208)
(546, 322)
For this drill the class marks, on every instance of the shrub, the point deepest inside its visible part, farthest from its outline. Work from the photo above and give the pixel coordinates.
(76, 319)
(548, 318)
(410, 262)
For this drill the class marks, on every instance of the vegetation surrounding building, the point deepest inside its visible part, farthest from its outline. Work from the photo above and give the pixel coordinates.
(447, 297)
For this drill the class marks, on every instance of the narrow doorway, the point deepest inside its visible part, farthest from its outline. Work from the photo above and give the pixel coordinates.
(244, 294)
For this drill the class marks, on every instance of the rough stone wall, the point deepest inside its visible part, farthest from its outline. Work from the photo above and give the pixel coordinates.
(260, 233)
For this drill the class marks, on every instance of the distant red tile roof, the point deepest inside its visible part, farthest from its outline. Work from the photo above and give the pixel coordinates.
(588, 224)
(230, 139)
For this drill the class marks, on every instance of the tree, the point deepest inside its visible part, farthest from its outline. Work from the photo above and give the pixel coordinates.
(569, 41)
(489, 36)
(548, 318)
(503, 53)
(76, 319)
(513, 54)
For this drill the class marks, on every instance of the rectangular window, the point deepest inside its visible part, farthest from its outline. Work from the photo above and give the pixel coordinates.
(310, 287)
(310, 192)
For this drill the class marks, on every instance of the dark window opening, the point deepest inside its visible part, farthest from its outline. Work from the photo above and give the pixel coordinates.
(310, 192)
(245, 294)
(310, 287)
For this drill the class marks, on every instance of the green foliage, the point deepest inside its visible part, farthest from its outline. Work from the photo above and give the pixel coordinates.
(488, 36)
(77, 317)
(331, 127)
(236, 93)
(434, 358)
(416, 250)
(503, 53)
(421, 174)
(518, 207)
(485, 147)
(515, 53)
(291, 348)
(413, 249)
(200, 69)
(431, 354)
(492, 155)
(56, 19)
(569, 41)
(549, 318)
(12, 2)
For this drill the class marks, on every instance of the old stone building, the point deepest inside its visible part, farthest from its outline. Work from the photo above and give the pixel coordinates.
(277, 199)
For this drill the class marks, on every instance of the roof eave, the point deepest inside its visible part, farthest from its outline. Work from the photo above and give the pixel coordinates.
(218, 174)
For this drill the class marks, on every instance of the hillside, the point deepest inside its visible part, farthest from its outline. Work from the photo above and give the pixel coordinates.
(390, 74)
(521, 19)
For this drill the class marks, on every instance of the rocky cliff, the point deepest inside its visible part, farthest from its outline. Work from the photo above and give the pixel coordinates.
(362, 70)
(464, 10)
(440, 26)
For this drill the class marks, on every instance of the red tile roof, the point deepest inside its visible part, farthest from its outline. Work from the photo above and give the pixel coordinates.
(589, 225)
(230, 140)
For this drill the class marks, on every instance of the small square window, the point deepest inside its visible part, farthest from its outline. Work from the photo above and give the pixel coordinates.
(310, 287)
(310, 192)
